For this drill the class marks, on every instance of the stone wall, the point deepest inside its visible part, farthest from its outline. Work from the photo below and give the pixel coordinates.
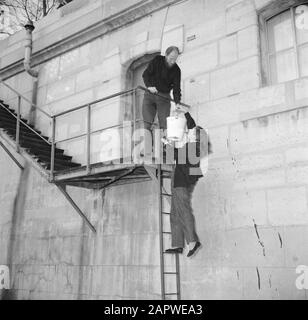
(251, 209)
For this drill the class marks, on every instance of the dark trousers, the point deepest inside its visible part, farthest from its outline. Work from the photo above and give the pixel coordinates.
(182, 220)
(153, 104)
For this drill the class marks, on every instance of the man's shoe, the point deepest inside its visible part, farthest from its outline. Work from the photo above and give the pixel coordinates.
(194, 250)
(174, 250)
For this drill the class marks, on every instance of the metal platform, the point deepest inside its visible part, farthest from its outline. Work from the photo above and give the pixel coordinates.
(103, 175)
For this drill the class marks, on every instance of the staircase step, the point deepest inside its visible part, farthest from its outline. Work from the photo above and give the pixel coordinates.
(22, 128)
(45, 151)
(57, 167)
(7, 107)
(27, 144)
(13, 122)
(47, 158)
(64, 163)
(8, 116)
(24, 132)
(61, 164)
(33, 143)
(29, 139)
(4, 104)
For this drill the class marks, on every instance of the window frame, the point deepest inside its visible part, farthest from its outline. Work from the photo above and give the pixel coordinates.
(270, 11)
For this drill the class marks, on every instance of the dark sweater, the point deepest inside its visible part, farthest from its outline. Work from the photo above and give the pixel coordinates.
(164, 78)
(182, 176)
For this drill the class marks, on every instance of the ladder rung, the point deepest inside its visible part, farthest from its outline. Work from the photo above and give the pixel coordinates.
(170, 272)
(171, 252)
(166, 194)
(166, 213)
(171, 294)
(166, 232)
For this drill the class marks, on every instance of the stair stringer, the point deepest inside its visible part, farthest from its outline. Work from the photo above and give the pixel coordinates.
(22, 157)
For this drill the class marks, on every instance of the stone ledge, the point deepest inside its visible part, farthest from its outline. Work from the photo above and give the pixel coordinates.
(296, 99)
(94, 30)
(266, 112)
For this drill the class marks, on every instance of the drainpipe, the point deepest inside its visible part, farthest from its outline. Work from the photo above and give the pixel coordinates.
(33, 73)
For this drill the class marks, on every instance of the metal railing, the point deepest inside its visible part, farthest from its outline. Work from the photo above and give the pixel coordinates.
(124, 98)
(127, 98)
(19, 121)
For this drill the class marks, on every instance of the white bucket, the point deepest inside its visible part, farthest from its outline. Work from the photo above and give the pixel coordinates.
(176, 128)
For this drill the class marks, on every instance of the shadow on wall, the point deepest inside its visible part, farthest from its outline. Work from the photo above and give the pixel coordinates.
(16, 224)
(88, 247)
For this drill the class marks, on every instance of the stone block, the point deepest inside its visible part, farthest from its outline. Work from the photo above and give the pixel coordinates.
(271, 284)
(301, 89)
(247, 41)
(90, 78)
(49, 71)
(74, 60)
(228, 49)
(222, 283)
(205, 32)
(240, 15)
(199, 61)
(108, 280)
(297, 174)
(219, 138)
(296, 155)
(257, 162)
(111, 68)
(235, 78)
(268, 132)
(220, 112)
(71, 102)
(295, 241)
(262, 3)
(60, 89)
(246, 206)
(287, 206)
(197, 89)
(262, 179)
(107, 88)
(254, 246)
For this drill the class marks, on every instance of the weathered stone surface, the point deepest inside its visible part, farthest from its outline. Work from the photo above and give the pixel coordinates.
(250, 208)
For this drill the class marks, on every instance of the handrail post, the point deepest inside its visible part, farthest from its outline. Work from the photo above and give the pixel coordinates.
(134, 109)
(18, 124)
(53, 144)
(134, 124)
(88, 137)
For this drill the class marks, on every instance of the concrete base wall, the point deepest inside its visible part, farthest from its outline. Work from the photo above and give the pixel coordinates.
(51, 252)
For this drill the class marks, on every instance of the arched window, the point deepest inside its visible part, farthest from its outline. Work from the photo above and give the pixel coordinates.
(134, 79)
(287, 44)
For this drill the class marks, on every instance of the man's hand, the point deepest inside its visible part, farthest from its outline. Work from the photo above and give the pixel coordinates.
(152, 89)
(179, 109)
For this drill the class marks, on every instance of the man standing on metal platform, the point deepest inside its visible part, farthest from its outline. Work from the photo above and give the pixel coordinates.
(160, 77)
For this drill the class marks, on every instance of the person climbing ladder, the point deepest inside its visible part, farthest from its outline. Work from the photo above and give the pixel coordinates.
(184, 179)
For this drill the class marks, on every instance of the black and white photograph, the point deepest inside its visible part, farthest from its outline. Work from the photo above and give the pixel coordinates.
(154, 150)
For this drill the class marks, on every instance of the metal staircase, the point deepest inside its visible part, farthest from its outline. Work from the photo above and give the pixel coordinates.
(31, 139)
(62, 171)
